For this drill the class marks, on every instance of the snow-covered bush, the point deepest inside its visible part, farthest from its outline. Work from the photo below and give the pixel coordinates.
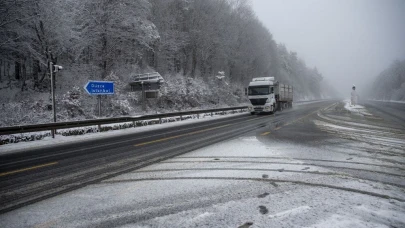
(72, 103)
(182, 93)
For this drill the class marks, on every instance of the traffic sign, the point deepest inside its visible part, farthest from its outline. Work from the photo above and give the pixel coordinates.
(99, 88)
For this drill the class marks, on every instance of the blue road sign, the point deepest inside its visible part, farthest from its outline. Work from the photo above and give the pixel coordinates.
(99, 88)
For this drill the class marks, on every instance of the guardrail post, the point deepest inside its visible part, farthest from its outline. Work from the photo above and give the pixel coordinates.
(133, 122)
(181, 118)
(160, 120)
(99, 128)
(211, 114)
(198, 116)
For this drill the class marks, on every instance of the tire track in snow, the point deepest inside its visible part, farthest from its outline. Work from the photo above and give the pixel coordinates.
(304, 159)
(289, 163)
(270, 170)
(384, 196)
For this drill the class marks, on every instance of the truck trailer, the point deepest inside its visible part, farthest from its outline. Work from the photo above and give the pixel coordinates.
(267, 95)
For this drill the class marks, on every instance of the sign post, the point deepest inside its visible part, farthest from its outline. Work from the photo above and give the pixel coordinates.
(99, 105)
(99, 88)
(143, 97)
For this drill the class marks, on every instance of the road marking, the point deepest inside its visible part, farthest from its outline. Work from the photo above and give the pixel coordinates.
(191, 133)
(178, 136)
(265, 133)
(288, 123)
(27, 169)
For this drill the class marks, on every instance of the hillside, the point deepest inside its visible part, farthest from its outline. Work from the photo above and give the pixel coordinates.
(187, 42)
(390, 83)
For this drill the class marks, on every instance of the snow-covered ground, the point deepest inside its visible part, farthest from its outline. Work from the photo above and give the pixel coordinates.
(217, 187)
(391, 101)
(356, 109)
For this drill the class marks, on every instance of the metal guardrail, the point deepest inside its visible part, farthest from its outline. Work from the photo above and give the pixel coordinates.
(99, 122)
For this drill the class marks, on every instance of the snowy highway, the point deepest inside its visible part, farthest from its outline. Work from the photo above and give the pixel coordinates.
(202, 113)
(320, 164)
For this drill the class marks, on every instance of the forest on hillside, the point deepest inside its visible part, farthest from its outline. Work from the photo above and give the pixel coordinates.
(390, 83)
(187, 41)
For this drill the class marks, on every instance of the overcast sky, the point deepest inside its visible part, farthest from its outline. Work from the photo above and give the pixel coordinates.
(349, 41)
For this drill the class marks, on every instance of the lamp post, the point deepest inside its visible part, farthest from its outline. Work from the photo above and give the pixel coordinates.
(53, 69)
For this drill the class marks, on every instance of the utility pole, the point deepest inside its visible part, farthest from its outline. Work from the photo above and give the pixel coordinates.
(53, 96)
(53, 69)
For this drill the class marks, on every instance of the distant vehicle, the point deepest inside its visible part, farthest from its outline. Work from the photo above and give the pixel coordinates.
(267, 95)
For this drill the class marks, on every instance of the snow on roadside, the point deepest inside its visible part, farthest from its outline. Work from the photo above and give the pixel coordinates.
(357, 109)
(390, 101)
(299, 103)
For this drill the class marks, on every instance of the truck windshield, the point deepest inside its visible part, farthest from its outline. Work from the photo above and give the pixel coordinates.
(259, 90)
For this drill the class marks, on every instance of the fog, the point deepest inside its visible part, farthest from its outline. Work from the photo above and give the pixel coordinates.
(349, 41)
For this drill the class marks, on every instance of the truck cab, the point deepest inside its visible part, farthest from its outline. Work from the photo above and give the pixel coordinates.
(267, 95)
(261, 95)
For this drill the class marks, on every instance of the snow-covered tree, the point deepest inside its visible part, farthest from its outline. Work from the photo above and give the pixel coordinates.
(390, 83)
(116, 32)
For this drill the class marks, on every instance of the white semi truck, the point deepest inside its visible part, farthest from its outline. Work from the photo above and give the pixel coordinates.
(267, 95)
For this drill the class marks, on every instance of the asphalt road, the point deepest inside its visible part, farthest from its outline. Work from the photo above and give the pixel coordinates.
(34, 175)
(394, 112)
(316, 165)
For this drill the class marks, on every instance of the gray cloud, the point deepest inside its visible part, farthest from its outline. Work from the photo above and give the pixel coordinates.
(350, 41)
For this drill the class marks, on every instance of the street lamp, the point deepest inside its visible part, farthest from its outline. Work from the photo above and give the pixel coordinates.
(53, 69)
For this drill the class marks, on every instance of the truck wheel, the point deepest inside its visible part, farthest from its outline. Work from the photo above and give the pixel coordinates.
(252, 113)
